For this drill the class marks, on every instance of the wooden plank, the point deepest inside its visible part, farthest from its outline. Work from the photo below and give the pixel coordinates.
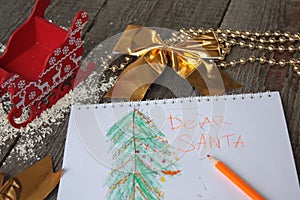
(12, 14)
(262, 16)
(116, 15)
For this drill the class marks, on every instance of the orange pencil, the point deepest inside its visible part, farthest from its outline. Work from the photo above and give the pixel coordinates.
(235, 179)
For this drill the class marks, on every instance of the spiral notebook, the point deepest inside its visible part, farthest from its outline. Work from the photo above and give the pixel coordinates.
(157, 149)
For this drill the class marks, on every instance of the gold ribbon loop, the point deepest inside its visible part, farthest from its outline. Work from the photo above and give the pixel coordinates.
(34, 183)
(183, 57)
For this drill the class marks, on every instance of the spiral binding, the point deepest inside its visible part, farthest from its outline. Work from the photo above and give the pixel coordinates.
(181, 100)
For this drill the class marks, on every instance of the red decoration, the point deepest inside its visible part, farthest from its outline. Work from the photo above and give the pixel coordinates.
(170, 172)
(40, 63)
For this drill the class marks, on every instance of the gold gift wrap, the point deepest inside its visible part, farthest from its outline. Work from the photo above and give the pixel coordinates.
(188, 58)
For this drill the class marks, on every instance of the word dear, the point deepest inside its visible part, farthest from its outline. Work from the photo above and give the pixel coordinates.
(178, 123)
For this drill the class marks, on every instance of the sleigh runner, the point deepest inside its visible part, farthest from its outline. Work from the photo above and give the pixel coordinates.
(40, 64)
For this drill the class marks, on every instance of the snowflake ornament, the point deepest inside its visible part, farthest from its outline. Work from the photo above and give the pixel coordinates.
(32, 95)
(67, 68)
(65, 50)
(52, 61)
(57, 52)
(78, 23)
(21, 84)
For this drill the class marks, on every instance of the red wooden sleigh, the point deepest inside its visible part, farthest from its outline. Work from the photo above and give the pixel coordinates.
(40, 64)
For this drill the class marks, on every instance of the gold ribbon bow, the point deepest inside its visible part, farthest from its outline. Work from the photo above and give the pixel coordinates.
(187, 58)
(34, 183)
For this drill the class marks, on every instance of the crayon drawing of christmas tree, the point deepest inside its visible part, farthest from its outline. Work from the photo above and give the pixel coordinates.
(141, 157)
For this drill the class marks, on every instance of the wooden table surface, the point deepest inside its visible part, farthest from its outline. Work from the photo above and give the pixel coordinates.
(109, 17)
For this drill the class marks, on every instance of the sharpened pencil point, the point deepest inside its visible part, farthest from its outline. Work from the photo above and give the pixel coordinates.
(212, 159)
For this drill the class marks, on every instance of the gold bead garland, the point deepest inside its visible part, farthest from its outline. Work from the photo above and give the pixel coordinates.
(266, 42)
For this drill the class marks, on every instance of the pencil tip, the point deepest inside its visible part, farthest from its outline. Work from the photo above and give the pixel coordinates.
(212, 159)
(208, 155)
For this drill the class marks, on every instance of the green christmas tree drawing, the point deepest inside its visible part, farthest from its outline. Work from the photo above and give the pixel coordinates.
(141, 157)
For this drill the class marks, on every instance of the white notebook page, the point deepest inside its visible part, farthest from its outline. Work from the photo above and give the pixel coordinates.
(247, 132)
